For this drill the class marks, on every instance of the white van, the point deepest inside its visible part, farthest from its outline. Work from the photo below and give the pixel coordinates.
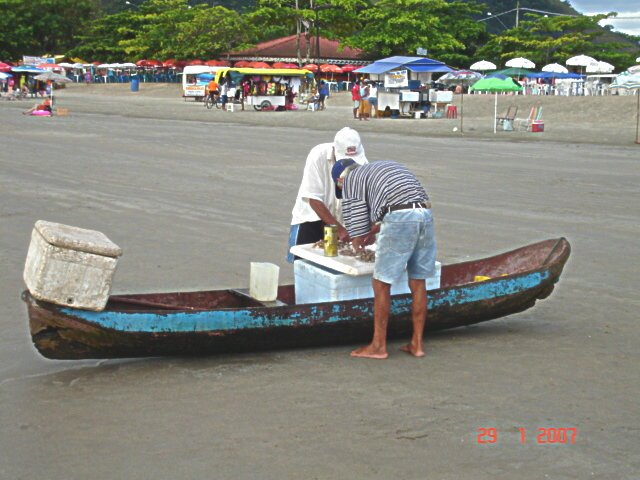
(191, 87)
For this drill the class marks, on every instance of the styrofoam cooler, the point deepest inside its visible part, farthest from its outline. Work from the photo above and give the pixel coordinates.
(70, 266)
(315, 283)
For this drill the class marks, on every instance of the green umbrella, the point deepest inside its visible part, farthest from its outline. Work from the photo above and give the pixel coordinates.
(494, 84)
(513, 72)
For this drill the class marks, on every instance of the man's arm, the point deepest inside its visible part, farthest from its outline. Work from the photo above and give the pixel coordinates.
(325, 215)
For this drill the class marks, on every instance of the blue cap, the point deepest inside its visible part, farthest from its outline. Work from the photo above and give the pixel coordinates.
(338, 170)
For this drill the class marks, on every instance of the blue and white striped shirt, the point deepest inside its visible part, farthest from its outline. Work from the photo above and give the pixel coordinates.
(369, 189)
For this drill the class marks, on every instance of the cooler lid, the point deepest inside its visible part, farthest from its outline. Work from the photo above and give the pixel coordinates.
(75, 238)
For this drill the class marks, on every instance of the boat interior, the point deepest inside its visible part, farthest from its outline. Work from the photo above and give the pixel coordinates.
(515, 262)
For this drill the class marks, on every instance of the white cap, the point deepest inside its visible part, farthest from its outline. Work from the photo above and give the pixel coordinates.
(347, 144)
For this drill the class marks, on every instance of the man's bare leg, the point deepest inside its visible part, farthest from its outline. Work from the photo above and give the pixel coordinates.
(381, 304)
(418, 317)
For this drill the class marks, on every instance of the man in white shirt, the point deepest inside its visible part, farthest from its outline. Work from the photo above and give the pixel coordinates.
(316, 204)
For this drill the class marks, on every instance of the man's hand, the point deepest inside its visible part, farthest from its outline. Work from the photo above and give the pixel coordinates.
(370, 238)
(343, 235)
(358, 243)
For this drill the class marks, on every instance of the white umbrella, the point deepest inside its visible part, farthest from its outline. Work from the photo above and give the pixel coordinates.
(54, 78)
(630, 81)
(600, 67)
(555, 68)
(634, 69)
(638, 59)
(520, 62)
(483, 65)
(580, 61)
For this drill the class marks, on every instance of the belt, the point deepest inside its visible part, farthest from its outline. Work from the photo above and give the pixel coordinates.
(408, 206)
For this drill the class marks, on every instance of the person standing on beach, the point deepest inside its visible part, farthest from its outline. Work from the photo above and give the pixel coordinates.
(323, 93)
(355, 97)
(385, 200)
(316, 204)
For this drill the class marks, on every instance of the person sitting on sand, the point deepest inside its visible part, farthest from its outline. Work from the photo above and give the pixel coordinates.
(385, 200)
(44, 106)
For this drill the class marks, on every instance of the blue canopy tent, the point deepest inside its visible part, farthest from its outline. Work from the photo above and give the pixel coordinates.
(413, 64)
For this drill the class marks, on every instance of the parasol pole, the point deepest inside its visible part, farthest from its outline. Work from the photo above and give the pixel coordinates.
(495, 114)
(461, 108)
(638, 117)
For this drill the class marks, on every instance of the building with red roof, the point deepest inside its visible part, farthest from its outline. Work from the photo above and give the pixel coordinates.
(285, 50)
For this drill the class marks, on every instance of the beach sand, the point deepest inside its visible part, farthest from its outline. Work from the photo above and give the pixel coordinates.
(193, 196)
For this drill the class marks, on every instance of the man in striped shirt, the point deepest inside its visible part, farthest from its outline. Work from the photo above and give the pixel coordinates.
(385, 200)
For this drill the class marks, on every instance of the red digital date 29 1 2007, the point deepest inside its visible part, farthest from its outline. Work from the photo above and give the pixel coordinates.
(545, 436)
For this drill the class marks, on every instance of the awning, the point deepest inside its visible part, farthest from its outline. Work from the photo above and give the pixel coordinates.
(429, 68)
(378, 67)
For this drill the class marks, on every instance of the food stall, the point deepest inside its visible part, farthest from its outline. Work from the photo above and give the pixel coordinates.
(265, 88)
(406, 82)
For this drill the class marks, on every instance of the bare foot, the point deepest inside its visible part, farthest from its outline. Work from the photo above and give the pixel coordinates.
(370, 352)
(416, 352)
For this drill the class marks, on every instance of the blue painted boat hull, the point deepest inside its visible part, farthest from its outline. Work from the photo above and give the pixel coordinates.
(201, 323)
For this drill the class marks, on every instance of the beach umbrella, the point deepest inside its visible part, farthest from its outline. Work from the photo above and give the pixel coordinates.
(638, 59)
(348, 68)
(52, 77)
(493, 84)
(26, 69)
(520, 62)
(630, 81)
(634, 69)
(260, 65)
(311, 67)
(555, 68)
(242, 64)
(4, 76)
(482, 66)
(600, 67)
(461, 77)
(580, 61)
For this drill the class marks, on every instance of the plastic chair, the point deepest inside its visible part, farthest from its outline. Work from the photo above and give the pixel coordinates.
(507, 117)
(535, 115)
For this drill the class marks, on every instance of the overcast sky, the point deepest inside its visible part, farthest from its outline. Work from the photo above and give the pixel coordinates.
(625, 8)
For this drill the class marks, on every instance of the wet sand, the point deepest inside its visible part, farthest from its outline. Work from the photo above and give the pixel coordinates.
(192, 196)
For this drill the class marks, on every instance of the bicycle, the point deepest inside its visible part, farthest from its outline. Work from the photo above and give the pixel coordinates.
(212, 100)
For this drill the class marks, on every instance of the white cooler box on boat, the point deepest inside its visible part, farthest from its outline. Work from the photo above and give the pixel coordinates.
(70, 266)
(315, 283)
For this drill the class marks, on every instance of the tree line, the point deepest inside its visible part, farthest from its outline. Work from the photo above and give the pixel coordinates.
(449, 30)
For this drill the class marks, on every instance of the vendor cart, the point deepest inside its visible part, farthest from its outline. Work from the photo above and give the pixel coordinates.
(264, 88)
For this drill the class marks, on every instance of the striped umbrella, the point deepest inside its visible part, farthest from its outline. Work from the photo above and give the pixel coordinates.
(630, 81)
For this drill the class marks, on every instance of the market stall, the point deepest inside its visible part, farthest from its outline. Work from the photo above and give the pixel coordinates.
(265, 88)
(407, 86)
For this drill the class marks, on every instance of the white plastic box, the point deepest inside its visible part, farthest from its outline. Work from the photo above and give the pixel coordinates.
(70, 266)
(315, 283)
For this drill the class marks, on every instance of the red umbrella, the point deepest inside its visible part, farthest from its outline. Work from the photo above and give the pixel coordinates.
(139, 63)
(5, 67)
(311, 67)
(195, 62)
(169, 63)
(279, 65)
(290, 65)
(49, 66)
(348, 68)
(260, 65)
(212, 63)
(242, 64)
(328, 68)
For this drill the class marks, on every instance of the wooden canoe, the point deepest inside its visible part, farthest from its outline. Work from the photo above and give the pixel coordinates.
(212, 322)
